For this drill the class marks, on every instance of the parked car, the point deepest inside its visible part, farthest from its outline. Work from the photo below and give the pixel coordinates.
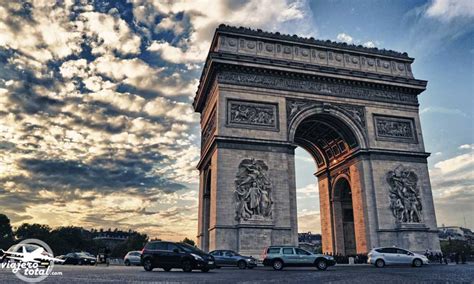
(395, 256)
(231, 258)
(287, 256)
(78, 258)
(132, 258)
(168, 255)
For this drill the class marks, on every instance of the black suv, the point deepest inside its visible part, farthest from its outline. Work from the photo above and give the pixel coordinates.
(168, 255)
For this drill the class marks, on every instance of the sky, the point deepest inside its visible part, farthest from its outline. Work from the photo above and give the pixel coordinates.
(96, 123)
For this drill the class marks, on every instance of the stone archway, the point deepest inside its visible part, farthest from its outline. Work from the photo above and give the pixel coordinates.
(354, 109)
(330, 135)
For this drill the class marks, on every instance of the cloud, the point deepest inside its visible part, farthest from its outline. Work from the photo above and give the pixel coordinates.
(310, 190)
(369, 44)
(344, 38)
(467, 146)
(175, 54)
(434, 25)
(309, 221)
(268, 15)
(96, 117)
(452, 181)
(443, 110)
(446, 10)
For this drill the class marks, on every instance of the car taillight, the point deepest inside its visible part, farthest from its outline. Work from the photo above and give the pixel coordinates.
(143, 249)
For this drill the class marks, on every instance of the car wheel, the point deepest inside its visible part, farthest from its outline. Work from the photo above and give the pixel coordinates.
(147, 265)
(277, 264)
(379, 263)
(241, 264)
(205, 269)
(321, 264)
(417, 262)
(80, 262)
(187, 267)
(127, 263)
(167, 269)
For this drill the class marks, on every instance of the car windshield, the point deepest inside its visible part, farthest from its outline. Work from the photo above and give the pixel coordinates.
(190, 248)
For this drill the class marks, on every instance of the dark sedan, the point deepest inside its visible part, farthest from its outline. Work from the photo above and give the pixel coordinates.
(78, 258)
(231, 258)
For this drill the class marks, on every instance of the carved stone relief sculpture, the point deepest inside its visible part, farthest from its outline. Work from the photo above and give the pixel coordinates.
(357, 113)
(253, 191)
(395, 128)
(242, 113)
(405, 200)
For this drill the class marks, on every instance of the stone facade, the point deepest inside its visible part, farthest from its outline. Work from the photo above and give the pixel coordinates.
(354, 109)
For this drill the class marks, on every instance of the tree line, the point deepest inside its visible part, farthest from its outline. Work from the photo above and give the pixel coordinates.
(63, 240)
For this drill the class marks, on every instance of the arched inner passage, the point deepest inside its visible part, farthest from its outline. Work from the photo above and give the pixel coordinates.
(331, 143)
(326, 138)
(344, 226)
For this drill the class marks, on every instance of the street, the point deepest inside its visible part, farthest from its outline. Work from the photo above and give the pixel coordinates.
(337, 274)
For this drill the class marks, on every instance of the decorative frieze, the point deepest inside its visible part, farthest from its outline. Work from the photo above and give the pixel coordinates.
(355, 112)
(253, 191)
(252, 114)
(315, 86)
(405, 201)
(365, 60)
(399, 129)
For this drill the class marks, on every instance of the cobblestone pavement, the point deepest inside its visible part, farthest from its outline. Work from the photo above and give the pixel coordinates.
(338, 274)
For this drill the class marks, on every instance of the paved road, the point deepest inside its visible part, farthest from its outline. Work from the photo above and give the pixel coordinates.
(338, 274)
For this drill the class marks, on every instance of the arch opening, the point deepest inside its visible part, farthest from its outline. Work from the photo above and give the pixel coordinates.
(330, 142)
(343, 211)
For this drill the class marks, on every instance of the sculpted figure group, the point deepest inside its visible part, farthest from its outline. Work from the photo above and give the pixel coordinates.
(405, 200)
(253, 190)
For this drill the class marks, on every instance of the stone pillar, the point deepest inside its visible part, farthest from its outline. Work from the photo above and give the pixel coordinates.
(326, 215)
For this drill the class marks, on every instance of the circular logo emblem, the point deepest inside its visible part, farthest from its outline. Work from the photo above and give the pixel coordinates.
(32, 260)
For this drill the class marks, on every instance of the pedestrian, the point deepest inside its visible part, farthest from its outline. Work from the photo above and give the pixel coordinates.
(463, 257)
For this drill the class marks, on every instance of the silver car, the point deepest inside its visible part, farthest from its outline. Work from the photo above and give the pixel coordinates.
(395, 256)
(132, 258)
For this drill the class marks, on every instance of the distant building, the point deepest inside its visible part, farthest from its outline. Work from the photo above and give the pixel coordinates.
(111, 238)
(309, 238)
(310, 242)
(447, 233)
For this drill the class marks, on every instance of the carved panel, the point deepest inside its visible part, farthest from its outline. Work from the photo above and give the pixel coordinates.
(294, 107)
(357, 113)
(315, 86)
(208, 129)
(405, 201)
(252, 115)
(253, 191)
(399, 129)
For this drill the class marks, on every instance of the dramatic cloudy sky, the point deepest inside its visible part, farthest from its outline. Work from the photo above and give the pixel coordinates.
(96, 125)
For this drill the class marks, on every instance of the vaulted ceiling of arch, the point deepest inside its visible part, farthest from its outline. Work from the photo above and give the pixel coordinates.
(325, 138)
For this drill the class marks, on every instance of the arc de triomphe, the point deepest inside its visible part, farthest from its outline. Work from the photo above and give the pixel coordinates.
(354, 109)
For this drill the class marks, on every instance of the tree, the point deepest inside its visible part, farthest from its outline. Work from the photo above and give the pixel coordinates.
(6, 232)
(188, 241)
(135, 241)
(36, 231)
